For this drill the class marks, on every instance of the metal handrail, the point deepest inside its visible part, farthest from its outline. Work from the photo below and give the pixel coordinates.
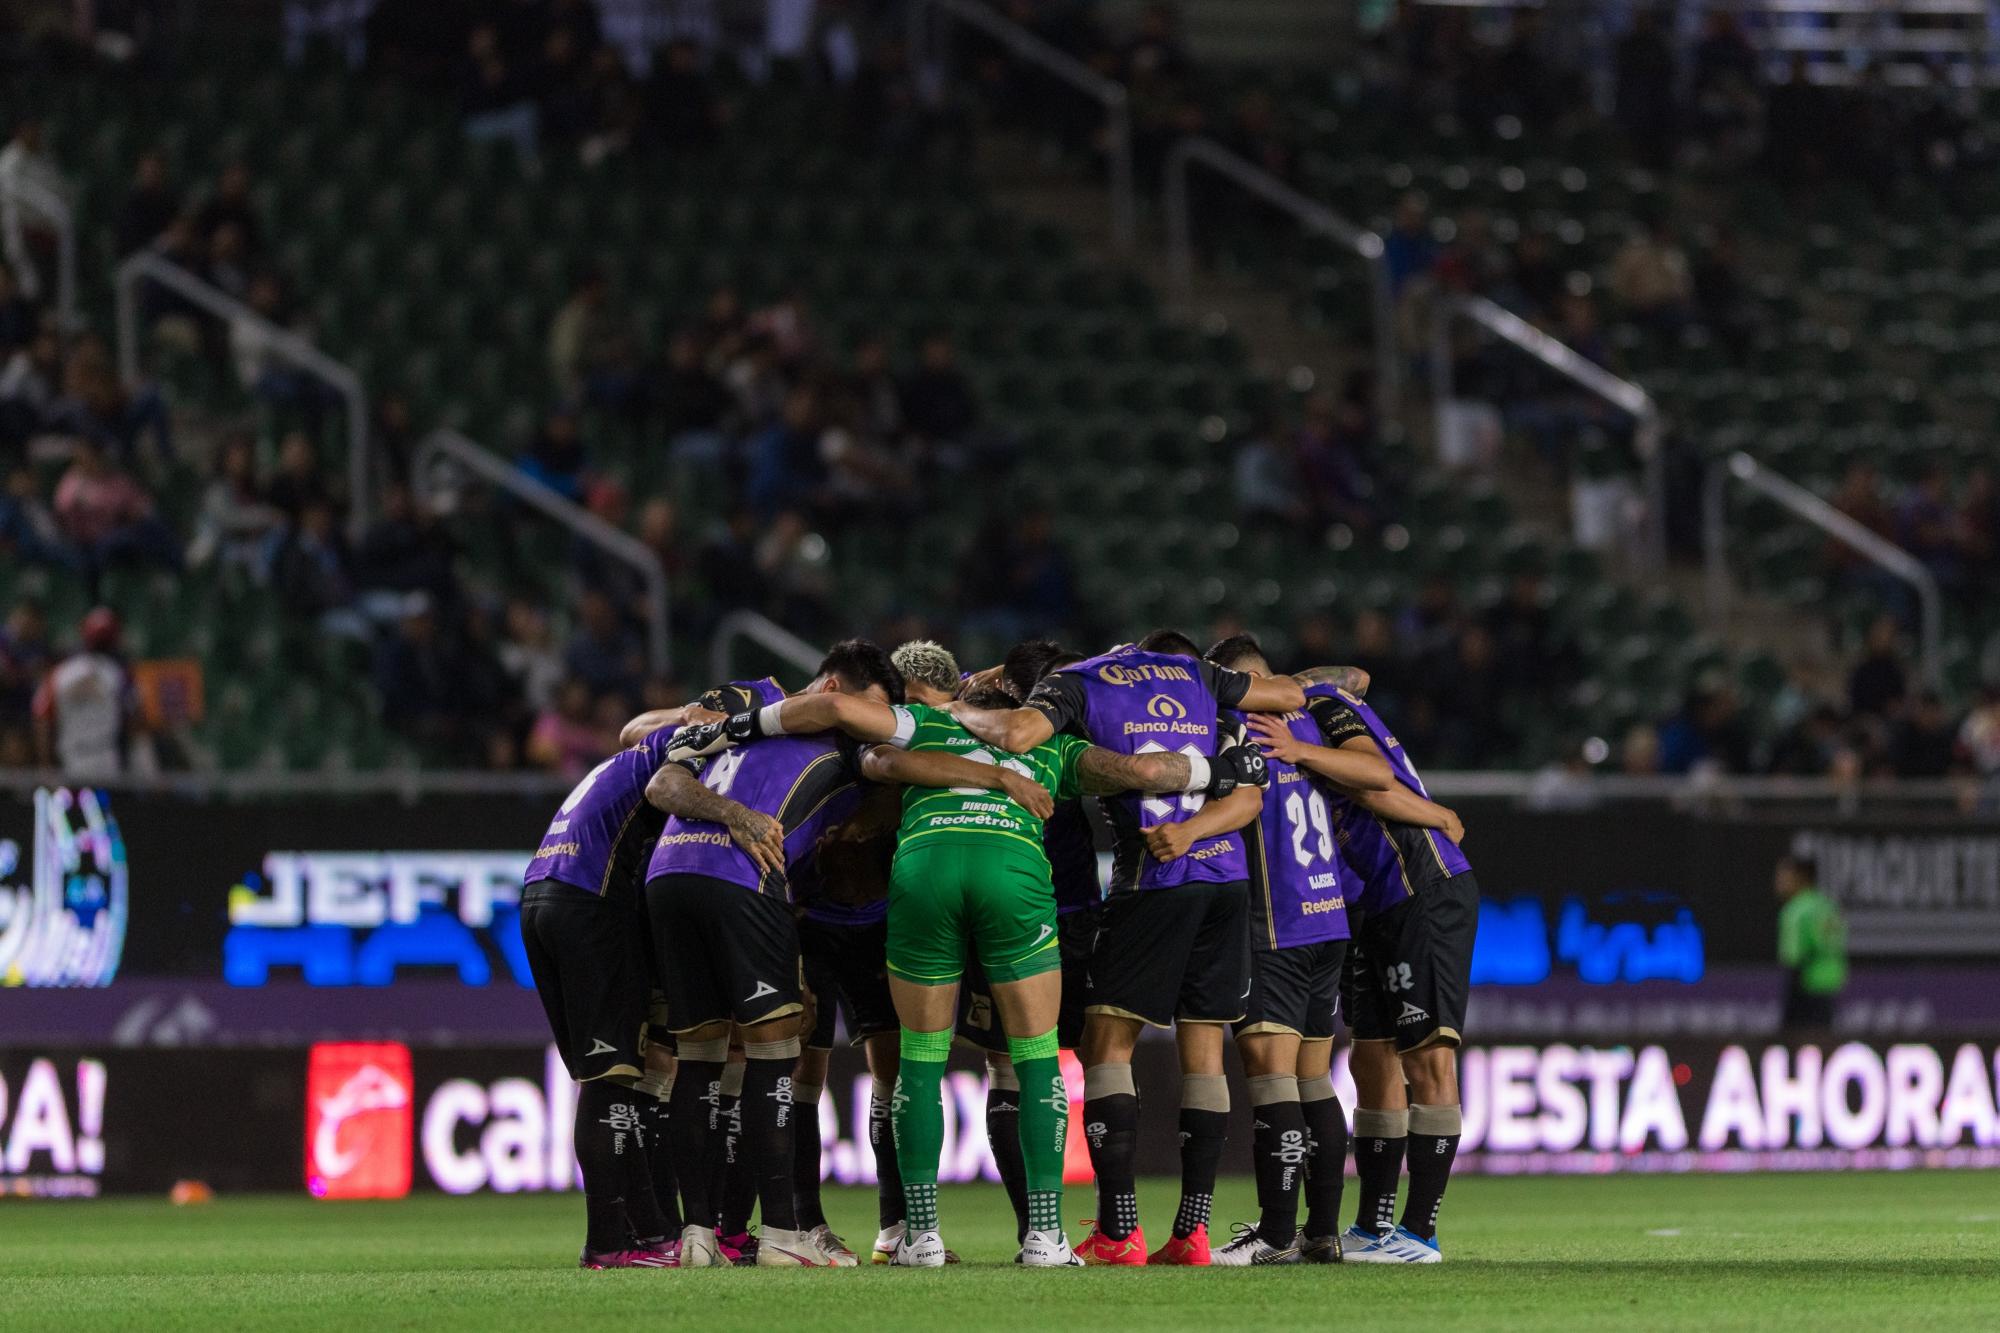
(57, 211)
(1740, 467)
(1314, 218)
(150, 266)
(760, 629)
(620, 545)
(1026, 46)
(1649, 429)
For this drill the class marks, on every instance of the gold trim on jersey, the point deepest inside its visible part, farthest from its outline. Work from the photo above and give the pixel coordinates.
(1438, 1037)
(611, 861)
(1402, 866)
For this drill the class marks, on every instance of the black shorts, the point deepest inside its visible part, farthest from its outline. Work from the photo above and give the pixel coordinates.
(1294, 990)
(1173, 955)
(588, 957)
(1409, 968)
(726, 953)
(980, 1025)
(845, 968)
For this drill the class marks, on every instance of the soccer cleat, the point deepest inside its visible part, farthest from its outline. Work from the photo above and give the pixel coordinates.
(925, 1250)
(700, 1249)
(623, 1259)
(1317, 1249)
(789, 1249)
(833, 1246)
(1358, 1246)
(1249, 1248)
(886, 1241)
(1401, 1246)
(1190, 1251)
(1098, 1248)
(739, 1250)
(1047, 1249)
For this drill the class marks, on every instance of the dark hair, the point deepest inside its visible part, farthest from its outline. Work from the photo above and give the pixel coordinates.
(1027, 662)
(1228, 652)
(860, 664)
(1805, 867)
(991, 696)
(1171, 642)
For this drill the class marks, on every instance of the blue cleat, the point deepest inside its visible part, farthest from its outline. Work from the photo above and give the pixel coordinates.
(1401, 1246)
(1361, 1247)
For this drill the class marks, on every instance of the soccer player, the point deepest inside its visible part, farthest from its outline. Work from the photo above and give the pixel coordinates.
(719, 900)
(582, 926)
(1299, 886)
(1173, 945)
(1405, 980)
(968, 864)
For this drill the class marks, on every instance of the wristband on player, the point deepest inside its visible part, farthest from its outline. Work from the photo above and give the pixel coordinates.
(691, 743)
(1200, 773)
(1239, 766)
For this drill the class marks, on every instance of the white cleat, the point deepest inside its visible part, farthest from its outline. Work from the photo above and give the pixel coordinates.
(1047, 1249)
(886, 1241)
(1399, 1246)
(698, 1248)
(925, 1250)
(833, 1246)
(791, 1249)
(1250, 1249)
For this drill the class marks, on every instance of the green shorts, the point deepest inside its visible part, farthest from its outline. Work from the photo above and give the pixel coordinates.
(946, 890)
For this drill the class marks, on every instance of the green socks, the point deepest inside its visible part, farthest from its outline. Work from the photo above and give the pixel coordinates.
(1044, 1124)
(917, 1113)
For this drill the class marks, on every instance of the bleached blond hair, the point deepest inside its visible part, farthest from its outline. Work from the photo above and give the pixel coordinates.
(930, 663)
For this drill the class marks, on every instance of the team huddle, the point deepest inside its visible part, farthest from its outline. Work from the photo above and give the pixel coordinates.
(910, 846)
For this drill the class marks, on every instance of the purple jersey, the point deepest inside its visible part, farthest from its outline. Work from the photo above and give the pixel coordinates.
(1135, 702)
(1299, 882)
(846, 882)
(1392, 860)
(604, 829)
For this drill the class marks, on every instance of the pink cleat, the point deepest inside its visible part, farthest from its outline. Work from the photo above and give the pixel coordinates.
(739, 1250)
(649, 1258)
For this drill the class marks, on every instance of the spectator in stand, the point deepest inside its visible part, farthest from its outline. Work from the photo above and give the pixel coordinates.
(392, 435)
(308, 569)
(604, 653)
(1879, 683)
(786, 469)
(1926, 525)
(529, 656)
(683, 110)
(151, 206)
(872, 387)
(418, 675)
(95, 405)
(593, 348)
(689, 403)
(1533, 660)
(494, 98)
(555, 457)
(1015, 579)
(938, 402)
(1725, 108)
(1979, 734)
(108, 518)
(271, 376)
(235, 518)
(1925, 742)
(1708, 734)
(1466, 695)
(1650, 277)
(1337, 488)
(29, 531)
(566, 738)
(1409, 249)
(25, 655)
(300, 480)
(1268, 485)
(226, 264)
(1810, 747)
(28, 384)
(86, 710)
(1535, 283)
(27, 245)
(230, 208)
(405, 550)
(1473, 264)
(1978, 527)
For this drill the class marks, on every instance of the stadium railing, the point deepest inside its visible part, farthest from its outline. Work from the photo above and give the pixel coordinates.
(32, 197)
(763, 631)
(1649, 428)
(1745, 471)
(146, 266)
(445, 448)
(1314, 218)
(1026, 46)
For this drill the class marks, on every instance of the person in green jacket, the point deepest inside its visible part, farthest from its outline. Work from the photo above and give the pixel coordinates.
(1812, 946)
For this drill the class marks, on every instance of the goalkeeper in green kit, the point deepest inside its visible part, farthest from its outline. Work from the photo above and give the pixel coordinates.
(969, 865)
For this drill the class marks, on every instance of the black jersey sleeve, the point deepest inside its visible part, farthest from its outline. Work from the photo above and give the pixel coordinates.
(1338, 723)
(1227, 686)
(1062, 699)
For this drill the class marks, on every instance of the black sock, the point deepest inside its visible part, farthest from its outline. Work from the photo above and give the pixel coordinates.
(606, 1142)
(1003, 1132)
(1278, 1129)
(1326, 1168)
(1203, 1136)
(882, 1142)
(1111, 1128)
(767, 1143)
(1434, 1134)
(654, 1117)
(1378, 1161)
(806, 1150)
(691, 1133)
(736, 1190)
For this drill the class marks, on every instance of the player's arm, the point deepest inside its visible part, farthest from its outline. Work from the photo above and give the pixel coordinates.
(1400, 805)
(651, 721)
(1101, 772)
(934, 768)
(1350, 678)
(1016, 730)
(1170, 842)
(1356, 764)
(804, 714)
(677, 791)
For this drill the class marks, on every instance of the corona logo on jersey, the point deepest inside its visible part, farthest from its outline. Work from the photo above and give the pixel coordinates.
(354, 918)
(1111, 673)
(63, 910)
(359, 1097)
(1165, 706)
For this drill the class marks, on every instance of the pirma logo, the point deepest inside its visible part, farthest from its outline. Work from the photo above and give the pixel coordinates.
(359, 1119)
(1165, 706)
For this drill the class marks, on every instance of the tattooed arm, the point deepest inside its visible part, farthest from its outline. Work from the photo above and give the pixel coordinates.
(678, 792)
(1102, 772)
(1350, 678)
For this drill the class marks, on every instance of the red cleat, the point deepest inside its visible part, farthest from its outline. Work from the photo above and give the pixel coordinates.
(1187, 1251)
(1098, 1248)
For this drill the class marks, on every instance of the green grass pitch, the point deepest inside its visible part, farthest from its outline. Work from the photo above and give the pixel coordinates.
(1824, 1252)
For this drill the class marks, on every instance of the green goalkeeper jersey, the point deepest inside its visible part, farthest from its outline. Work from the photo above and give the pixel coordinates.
(932, 813)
